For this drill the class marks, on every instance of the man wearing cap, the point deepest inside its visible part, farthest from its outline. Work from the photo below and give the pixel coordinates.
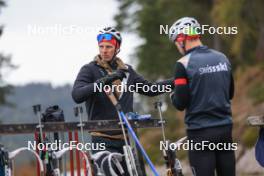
(108, 69)
(204, 88)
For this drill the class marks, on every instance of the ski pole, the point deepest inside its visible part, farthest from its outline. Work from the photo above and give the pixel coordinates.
(172, 163)
(158, 105)
(36, 110)
(41, 135)
(89, 153)
(78, 111)
(36, 136)
(129, 157)
(130, 130)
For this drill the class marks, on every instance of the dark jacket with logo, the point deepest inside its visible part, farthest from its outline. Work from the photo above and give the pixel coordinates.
(98, 105)
(204, 87)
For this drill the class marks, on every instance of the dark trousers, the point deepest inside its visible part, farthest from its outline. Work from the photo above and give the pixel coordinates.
(206, 162)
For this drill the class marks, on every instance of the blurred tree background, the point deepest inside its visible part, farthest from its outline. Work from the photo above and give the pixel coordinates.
(5, 64)
(157, 55)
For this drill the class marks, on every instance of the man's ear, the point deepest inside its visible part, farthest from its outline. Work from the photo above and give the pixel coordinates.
(181, 44)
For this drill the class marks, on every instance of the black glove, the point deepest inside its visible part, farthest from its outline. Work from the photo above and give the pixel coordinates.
(108, 79)
(169, 82)
(120, 74)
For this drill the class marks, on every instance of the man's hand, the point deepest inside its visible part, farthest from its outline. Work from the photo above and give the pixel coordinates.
(108, 79)
(120, 74)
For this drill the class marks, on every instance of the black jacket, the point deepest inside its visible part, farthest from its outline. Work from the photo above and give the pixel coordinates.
(204, 87)
(98, 105)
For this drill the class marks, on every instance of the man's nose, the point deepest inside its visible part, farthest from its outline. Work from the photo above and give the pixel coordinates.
(104, 49)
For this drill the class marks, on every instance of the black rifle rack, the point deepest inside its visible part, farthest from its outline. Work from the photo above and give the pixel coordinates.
(99, 125)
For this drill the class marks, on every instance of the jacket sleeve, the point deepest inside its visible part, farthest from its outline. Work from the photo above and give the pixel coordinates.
(83, 86)
(181, 95)
(158, 88)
